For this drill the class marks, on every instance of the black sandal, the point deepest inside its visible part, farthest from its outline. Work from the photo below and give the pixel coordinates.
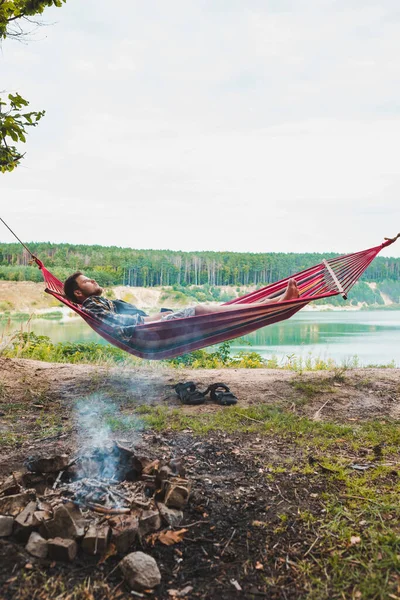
(188, 394)
(221, 394)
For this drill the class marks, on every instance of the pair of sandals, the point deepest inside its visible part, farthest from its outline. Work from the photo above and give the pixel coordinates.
(219, 393)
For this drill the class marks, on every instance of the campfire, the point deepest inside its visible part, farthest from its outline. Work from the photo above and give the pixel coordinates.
(118, 482)
(101, 502)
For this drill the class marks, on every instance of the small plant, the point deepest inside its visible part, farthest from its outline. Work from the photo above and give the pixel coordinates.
(339, 374)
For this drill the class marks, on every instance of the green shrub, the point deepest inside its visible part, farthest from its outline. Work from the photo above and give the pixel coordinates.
(40, 347)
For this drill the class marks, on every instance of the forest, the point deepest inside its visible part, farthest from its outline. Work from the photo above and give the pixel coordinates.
(184, 271)
(148, 268)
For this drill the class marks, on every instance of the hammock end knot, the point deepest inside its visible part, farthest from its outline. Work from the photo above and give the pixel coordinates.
(390, 240)
(37, 261)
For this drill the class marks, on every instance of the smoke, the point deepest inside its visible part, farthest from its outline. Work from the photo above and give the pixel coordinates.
(93, 429)
(98, 419)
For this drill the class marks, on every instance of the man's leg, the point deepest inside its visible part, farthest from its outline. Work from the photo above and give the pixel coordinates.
(290, 293)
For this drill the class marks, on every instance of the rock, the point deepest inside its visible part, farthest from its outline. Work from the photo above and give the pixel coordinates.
(62, 549)
(61, 525)
(26, 518)
(181, 593)
(76, 514)
(37, 546)
(42, 515)
(149, 521)
(6, 526)
(177, 467)
(48, 464)
(96, 539)
(140, 571)
(176, 492)
(12, 485)
(164, 473)
(124, 533)
(26, 521)
(171, 516)
(13, 505)
(37, 481)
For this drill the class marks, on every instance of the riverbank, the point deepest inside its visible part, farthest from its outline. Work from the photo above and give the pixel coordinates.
(29, 299)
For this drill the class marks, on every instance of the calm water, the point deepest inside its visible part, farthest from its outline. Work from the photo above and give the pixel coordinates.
(372, 336)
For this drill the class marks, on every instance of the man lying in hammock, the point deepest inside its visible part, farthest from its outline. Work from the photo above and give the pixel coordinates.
(125, 317)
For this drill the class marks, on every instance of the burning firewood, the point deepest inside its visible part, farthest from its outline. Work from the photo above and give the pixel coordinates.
(99, 498)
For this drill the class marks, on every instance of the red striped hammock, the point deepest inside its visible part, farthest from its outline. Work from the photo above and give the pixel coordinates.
(167, 339)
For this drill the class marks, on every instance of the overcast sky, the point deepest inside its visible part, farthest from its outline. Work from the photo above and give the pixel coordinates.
(252, 125)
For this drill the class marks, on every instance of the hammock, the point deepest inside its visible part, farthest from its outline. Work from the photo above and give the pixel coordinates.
(166, 339)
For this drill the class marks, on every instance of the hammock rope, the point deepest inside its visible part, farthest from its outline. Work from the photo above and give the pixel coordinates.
(166, 339)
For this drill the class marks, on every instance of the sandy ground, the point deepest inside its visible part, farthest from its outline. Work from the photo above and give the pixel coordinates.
(29, 297)
(349, 394)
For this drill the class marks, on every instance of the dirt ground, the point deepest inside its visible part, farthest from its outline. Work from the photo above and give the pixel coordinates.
(235, 546)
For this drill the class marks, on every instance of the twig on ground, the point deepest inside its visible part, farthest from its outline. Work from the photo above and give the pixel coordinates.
(201, 539)
(317, 413)
(251, 419)
(196, 523)
(281, 495)
(362, 498)
(57, 481)
(311, 547)
(228, 542)
(111, 572)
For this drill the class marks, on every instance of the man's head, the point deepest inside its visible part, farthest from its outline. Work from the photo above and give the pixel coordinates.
(78, 287)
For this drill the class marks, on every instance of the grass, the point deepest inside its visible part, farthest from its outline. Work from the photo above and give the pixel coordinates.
(24, 317)
(11, 439)
(358, 543)
(268, 420)
(356, 533)
(26, 344)
(311, 388)
(47, 587)
(21, 421)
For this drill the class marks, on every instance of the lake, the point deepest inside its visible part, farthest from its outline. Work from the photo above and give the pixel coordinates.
(373, 336)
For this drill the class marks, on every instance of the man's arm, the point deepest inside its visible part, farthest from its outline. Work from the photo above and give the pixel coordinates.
(123, 324)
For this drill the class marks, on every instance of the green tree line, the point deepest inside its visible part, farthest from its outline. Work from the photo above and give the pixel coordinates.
(148, 268)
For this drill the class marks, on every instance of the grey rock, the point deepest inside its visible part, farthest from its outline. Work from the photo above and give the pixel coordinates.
(48, 464)
(140, 571)
(96, 539)
(26, 522)
(62, 549)
(62, 525)
(149, 521)
(6, 526)
(37, 546)
(176, 492)
(124, 533)
(26, 518)
(171, 516)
